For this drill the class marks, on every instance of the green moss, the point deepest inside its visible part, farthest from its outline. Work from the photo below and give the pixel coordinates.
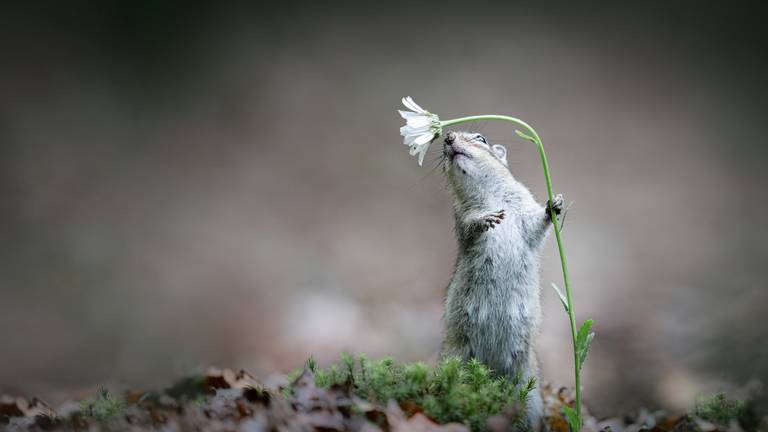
(452, 391)
(102, 406)
(719, 409)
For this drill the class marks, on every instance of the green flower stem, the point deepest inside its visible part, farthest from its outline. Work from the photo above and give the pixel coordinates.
(531, 135)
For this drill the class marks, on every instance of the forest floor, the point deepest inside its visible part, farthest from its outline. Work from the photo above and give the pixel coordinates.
(352, 396)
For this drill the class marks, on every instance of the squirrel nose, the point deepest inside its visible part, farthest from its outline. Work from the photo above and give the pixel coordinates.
(450, 137)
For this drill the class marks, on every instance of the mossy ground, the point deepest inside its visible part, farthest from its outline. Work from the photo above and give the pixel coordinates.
(102, 406)
(451, 391)
(719, 409)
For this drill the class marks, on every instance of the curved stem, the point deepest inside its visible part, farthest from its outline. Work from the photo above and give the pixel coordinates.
(534, 137)
(517, 121)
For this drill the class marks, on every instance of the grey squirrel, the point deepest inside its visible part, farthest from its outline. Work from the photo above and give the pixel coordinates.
(492, 306)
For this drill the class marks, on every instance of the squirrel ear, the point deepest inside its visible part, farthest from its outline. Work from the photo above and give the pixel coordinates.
(501, 152)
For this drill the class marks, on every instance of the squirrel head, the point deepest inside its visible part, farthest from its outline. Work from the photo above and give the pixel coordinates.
(474, 166)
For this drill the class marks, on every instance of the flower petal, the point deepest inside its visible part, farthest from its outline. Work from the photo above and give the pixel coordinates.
(415, 105)
(408, 102)
(419, 122)
(424, 138)
(408, 130)
(422, 154)
(407, 114)
(409, 139)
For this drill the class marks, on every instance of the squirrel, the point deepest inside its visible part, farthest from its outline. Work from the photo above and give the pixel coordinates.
(492, 305)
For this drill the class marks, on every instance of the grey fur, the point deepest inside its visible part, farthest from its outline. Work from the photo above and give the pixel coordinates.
(492, 306)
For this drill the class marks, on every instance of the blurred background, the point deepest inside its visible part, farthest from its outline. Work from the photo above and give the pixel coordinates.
(185, 184)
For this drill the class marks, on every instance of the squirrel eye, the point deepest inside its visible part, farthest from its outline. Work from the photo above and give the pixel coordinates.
(481, 138)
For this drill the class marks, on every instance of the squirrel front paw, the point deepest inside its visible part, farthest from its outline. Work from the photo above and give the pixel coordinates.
(491, 220)
(556, 204)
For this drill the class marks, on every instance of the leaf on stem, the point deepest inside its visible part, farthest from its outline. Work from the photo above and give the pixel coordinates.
(564, 214)
(561, 296)
(583, 340)
(523, 135)
(574, 419)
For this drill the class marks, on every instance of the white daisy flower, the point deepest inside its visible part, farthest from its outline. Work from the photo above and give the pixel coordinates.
(421, 128)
